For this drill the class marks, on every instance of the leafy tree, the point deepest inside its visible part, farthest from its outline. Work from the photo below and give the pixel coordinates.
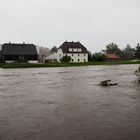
(137, 51)
(66, 59)
(113, 48)
(98, 57)
(129, 53)
(53, 49)
(89, 56)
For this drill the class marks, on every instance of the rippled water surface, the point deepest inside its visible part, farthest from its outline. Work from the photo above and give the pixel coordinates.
(68, 104)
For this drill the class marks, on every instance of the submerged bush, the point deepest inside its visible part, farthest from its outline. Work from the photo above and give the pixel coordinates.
(137, 72)
(66, 59)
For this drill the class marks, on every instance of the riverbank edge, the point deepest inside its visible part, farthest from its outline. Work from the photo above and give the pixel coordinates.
(49, 65)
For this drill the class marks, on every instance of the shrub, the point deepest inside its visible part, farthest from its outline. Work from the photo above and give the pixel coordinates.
(66, 59)
(137, 72)
(2, 61)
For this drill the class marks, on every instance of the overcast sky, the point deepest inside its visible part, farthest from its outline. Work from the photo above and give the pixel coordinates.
(95, 23)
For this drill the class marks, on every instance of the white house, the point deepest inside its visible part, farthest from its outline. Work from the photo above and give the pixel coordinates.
(75, 50)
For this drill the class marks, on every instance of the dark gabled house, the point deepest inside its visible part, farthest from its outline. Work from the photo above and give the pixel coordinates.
(13, 52)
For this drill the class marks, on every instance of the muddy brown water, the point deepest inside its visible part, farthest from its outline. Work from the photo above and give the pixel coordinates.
(68, 104)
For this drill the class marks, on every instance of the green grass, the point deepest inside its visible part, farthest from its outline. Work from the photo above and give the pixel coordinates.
(28, 65)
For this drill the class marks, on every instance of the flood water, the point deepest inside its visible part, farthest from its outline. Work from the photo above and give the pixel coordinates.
(68, 104)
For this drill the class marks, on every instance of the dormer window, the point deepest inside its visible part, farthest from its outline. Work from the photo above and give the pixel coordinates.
(75, 50)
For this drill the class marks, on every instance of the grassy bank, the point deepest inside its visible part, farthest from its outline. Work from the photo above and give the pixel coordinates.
(27, 65)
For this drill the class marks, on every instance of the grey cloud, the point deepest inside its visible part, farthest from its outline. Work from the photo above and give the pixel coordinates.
(50, 22)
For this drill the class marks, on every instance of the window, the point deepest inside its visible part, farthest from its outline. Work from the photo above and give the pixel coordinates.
(72, 54)
(78, 54)
(84, 54)
(84, 60)
(78, 60)
(72, 60)
(21, 57)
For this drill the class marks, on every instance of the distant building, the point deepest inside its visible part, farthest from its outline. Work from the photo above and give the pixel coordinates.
(75, 50)
(51, 58)
(14, 52)
(111, 57)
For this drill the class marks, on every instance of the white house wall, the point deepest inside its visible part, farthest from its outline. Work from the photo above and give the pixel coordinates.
(82, 57)
(59, 55)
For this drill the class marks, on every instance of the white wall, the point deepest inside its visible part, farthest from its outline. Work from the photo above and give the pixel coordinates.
(59, 55)
(33, 62)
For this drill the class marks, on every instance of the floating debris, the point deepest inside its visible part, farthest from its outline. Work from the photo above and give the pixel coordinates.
(107, 83)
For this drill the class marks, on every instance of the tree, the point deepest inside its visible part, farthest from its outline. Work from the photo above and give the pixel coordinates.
(98, 57)
(113, 48)
(53, 50)
(66, 59)
(137, 51)
(43, 52)
(129, 53)
(89, 56)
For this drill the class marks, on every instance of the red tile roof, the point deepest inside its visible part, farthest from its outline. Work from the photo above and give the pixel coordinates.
(111, 56)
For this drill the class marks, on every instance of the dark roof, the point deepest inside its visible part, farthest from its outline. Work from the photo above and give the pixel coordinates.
(66, 45)
(18, 49)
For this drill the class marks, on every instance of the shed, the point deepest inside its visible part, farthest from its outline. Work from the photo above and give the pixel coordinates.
(51, 58)
(111, 57)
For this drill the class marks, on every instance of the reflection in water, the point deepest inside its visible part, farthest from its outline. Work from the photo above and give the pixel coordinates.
(68, 104)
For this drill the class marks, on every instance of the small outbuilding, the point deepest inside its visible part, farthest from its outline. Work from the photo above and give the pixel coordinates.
(111, 57)
(51, 58)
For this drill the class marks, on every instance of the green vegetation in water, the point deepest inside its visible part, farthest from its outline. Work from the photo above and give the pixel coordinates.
(28, 65)
(137, 72)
